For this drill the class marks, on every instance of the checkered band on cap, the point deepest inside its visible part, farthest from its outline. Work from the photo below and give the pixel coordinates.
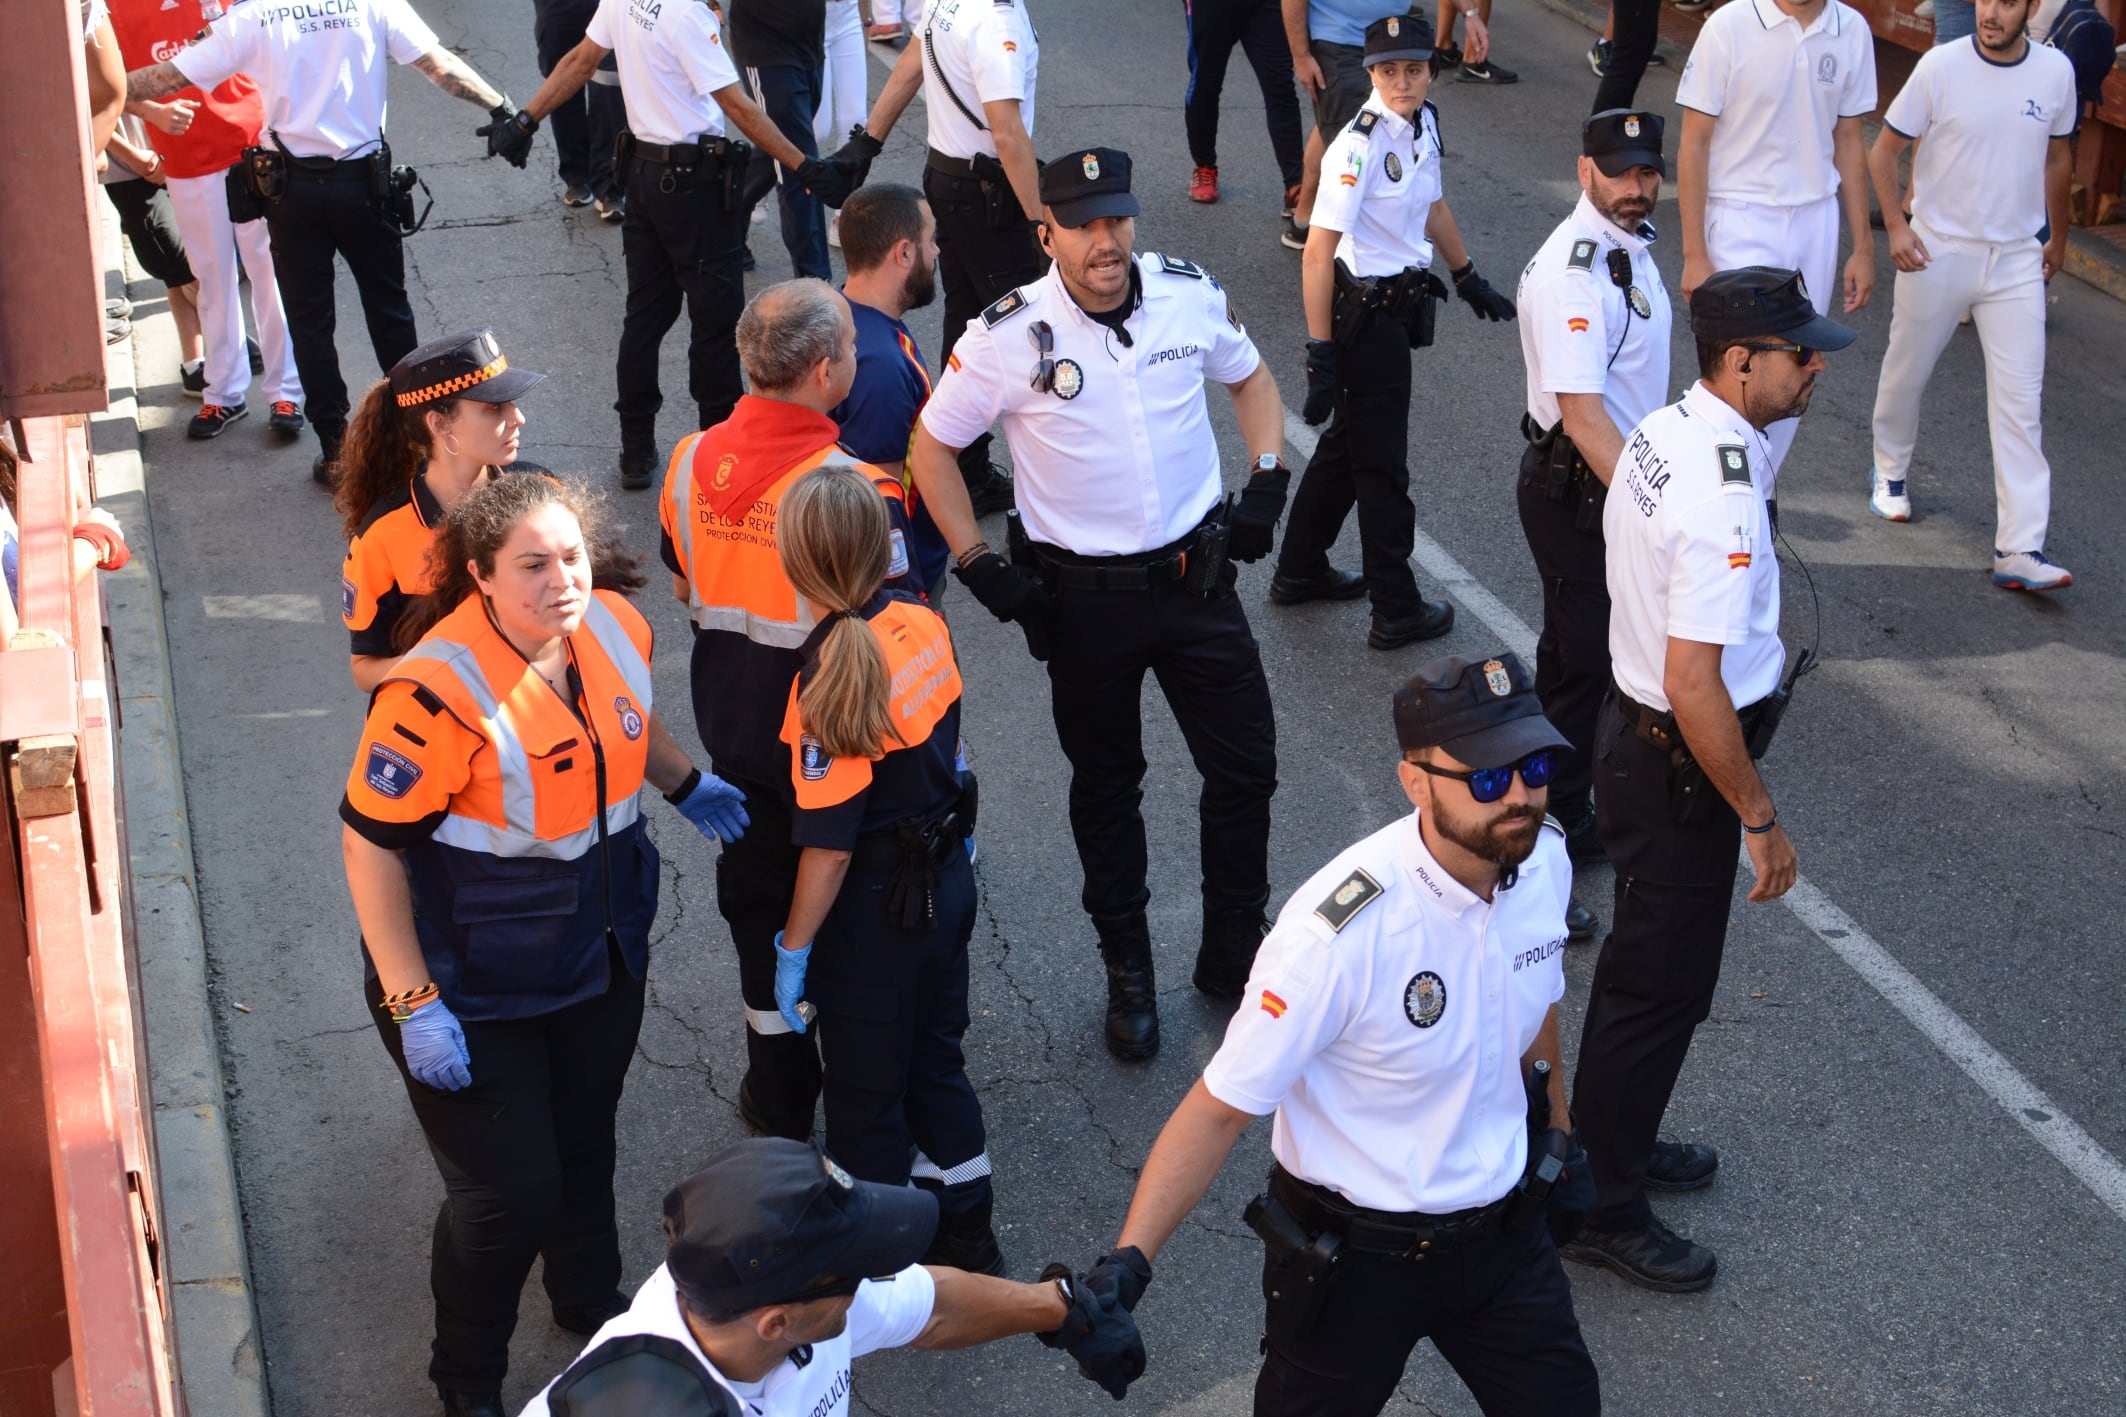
(454, 385)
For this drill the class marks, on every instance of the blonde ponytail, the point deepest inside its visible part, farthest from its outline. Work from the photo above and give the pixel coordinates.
(835, 542)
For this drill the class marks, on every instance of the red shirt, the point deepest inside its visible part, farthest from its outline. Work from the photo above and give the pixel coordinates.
(228, 119)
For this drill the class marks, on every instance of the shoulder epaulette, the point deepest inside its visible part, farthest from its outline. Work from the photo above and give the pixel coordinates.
(1583, 254)
(1364, 122)
(1554, 824)
(1175, 266)
(1352, 894)
(1439, 137)
(1006, 306)
(1734, 464)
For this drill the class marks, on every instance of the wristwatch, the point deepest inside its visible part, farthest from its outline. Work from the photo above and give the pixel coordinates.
(1269, 462)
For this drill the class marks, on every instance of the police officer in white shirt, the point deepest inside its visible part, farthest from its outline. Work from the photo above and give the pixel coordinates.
(975, 62)
(1989, 228)
(320, 69)
(1595, 334)
(683, 234)
(1370, 299)
(1694, 645)
(1773, 97)
(1397, 1022)
(780, 1269)
(1122, 566)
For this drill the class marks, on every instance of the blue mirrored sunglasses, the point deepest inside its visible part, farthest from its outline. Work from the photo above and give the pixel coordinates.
(1490, 784)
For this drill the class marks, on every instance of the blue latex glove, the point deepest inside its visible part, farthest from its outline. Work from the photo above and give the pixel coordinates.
(790, 981)
(435, 1048)
(717, 809)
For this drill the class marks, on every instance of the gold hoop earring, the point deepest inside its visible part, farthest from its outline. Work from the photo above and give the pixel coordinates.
(450, 445)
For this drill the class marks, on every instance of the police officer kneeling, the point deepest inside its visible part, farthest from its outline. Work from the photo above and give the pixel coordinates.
(1401, 1022)
(780, 1269)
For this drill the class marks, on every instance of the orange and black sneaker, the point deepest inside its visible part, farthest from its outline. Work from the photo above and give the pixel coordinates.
(1203, 186)
(286, 418)
(212, 418)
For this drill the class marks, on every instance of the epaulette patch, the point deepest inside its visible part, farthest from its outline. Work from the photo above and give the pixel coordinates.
(1734, 464)
(1554, 824)
(1353, 894)
(1175, 266)
(1583, 254)
(1010, 304)
(1363, 124)
(427, 698)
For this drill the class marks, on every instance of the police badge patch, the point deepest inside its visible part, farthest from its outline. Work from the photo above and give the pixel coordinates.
(1425, 999)
(1070, 379)
(1091, 165)
(389, 773)
(1395, 26)
(812, 759)
(1734, 464)
(630, 721)
(1631, 126)
(1352, 894)
(840, 1177)
(1640, 305)
(1497, 679)
(1583, 254)
(1393, 166)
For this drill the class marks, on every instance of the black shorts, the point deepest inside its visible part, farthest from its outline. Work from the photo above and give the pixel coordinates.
(145, 217)
(1346, 85)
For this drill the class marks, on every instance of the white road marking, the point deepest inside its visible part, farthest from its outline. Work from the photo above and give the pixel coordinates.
(1980, 1061)
(292, 609)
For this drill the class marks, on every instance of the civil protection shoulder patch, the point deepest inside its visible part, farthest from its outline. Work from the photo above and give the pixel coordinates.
(1175, 266)
(1734, 464)
(1583, 254)
(1352, 894)
(1364, 123)
(1002, 309)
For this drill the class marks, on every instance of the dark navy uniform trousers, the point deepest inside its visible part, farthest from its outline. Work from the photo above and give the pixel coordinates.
(681, 245)
(1572, 655)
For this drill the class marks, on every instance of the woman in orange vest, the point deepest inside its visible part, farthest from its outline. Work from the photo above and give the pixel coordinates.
(885, 894)
(442, 422)
(506, 887)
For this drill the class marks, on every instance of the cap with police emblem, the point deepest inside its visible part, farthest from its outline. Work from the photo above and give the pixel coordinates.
(1086, 185)
(1620, 139)
(469, 365)
(1478, 708)
(1762, 300)
(1398, 37)
(773, 1221)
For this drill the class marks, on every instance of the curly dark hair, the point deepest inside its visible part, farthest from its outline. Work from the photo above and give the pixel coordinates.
(385, 445)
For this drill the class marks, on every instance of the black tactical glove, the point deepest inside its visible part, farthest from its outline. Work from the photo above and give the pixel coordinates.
(856, 154)
(829, 179)
(1574, 1195)
(508, 131)
(1252, 530)
(1124, 1273)
(1474, 289)
(1098, 1332)
(1321, 382)
(1010, 593)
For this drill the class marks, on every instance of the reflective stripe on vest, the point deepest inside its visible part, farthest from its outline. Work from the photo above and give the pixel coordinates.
(736, 619)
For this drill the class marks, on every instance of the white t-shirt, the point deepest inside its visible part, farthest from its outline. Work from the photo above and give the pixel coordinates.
(1980, 174)
(1386, 178)
(1385, 1021)
(986, 51)
(319, 66)
(1778, 91)
(814, 1382)
(671, 58)
(1120, 457)
(1690, 549)
(1581, 333)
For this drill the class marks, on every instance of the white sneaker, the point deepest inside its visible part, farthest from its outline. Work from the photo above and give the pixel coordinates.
(1887, 499)
(2029, 570)
(834, 231)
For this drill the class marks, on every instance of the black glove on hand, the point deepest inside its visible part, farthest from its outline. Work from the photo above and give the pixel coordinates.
(1574, 1196)
(508, 131)
(829, 179)
(1098, 1332)
(1488, 303)
(1124, 1273)
(1252, 531)
(1321, 382)
(856, 154)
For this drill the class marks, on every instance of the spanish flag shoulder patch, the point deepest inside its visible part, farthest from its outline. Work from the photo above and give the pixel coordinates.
(1272, 1005)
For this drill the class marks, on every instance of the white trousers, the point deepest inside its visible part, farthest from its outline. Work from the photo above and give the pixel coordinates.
(1804, 239)
(885, 12)
(2004, 289)
(215, 246)
(842, 100)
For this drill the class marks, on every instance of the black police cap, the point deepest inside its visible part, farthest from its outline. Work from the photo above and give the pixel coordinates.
(1086, 185)
(1762, 300)
(639, 1375)
(1620, 139)
(1398, 37)
(468, 365)
(1479, 708)
(773, 1221)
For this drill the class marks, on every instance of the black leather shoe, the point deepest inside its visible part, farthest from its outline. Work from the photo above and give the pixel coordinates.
(638, 453)
(1331, 584)
(471, 1404)
(1681, 1166)
(966, 1240)
(1433, 619)
(763, 1123)
(1227, 955)
(1580, 924)
(1132, 995)
(325, 468)
(1652, 1257)
(990, 493)
(588, 1319)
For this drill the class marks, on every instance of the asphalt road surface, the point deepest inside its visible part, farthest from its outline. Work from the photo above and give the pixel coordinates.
(1897, 1228)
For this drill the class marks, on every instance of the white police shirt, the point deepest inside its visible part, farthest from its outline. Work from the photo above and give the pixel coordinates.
(1690, 549)
(1982, 117)
(985, 51)
(1379, 179)
(1582, 333)
(671, 57)
(319, 66)
(887, 1313)
(1778, 91)
(1120, 456)
(1386, 1018)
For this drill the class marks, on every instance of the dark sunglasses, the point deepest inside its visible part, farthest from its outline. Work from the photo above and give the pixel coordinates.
(1801, 352)
(1044, 342)
(1490, 784)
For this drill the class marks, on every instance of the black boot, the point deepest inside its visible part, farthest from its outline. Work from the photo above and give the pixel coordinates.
(966, 1240)
(325, 471)
(780, 1090)
(638, 453)
(1132, 999)
(1230, 939)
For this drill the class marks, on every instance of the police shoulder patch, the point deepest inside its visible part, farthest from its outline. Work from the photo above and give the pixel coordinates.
(1554, 824)
(1002, 309)
(1734, 464)
(1352, 894)
(1365, 122)
(1583, 254)
(1175, 266)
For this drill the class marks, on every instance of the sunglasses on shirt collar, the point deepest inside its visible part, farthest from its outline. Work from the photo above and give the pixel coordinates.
(1043, 337)
(1490, 784)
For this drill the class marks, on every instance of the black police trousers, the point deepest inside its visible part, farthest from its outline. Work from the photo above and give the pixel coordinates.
(892, 1014)
(680, 244)
(756, 877)
(1498, 1308)
(978, 263)
(1362, 460)
(585, 123)
(1208, 665)
(313, 222)
(1572, 654)
(1653, 982)
(527, 1155)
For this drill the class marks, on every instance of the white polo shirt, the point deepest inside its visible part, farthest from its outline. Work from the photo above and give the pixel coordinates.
(1978, 116)
(318, 64)
(812, 1382)
(985, 51)
(1385, 1022)
(1778, 91)
(671, 57)
(1379, 179)
(1582, 333)
(1120, 456)
(1690, 549)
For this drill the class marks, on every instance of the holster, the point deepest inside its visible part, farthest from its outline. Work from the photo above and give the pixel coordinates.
(1411, 299)
(1000, 203)
(245, 201)
(379, 162)
(735, 156)
(1205, 571)
(265, 172)
(1300, 1268)
(1531, 1198)
(1018, 549)
(623, 157)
